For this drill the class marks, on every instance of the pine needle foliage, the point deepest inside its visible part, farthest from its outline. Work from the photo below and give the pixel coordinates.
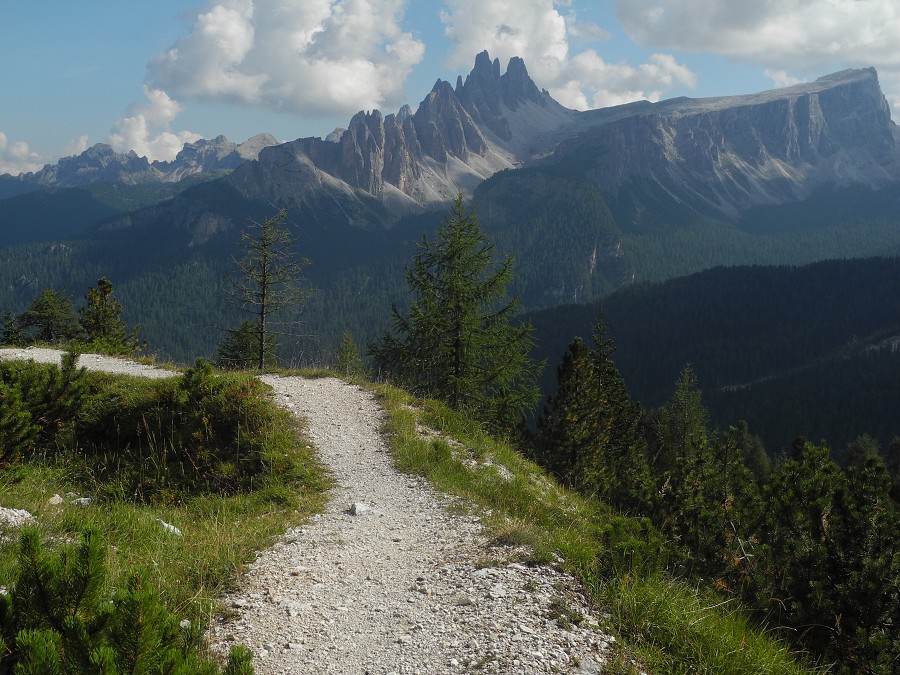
(458, 342)
(240, 348)
(57, 618)
(101, 322)
(590, 434)
(50, 318)
(38, 403)
(348, 360)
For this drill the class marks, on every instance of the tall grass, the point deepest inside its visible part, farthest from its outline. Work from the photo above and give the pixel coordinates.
(666, 624)
(120, 453)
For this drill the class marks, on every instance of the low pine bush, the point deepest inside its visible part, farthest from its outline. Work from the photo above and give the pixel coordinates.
(57, 618)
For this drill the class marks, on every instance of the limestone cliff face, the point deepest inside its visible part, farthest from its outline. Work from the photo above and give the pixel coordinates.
(411, 161)
(720, 155)
(728, 154)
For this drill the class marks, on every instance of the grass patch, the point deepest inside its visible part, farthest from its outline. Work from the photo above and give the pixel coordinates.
(666, 625)
(133, 486)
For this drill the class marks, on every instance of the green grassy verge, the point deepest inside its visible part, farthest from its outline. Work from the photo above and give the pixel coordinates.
(220, 531)
(665, 625)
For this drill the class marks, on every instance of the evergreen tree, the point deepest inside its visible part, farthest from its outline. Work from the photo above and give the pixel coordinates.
(755, 456)
(682, 463)
(796, 572)
(101, 322)
(458, 341)
(619, 471)
(707, 500)
(866, 556)
(893, 466)
(51, 317)
(590, 434)
(567, 430)
(348, 360)
(17, 429)
(240, 348)
(11, 333)
(53, 395)
(270, 277)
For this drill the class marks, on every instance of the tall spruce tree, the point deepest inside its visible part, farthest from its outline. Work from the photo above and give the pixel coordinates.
(706, 499)
(270, 278)
(568, 427)
(458, 341)
(590, 433)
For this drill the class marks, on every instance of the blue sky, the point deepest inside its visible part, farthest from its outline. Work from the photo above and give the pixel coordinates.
(149, 76)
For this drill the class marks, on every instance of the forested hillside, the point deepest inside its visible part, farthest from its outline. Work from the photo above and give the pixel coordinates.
(795, 351)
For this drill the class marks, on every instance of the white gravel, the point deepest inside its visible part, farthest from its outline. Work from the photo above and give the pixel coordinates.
(402, 586)
(106, 364)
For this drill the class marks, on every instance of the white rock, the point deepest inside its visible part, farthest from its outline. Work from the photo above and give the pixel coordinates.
(55, 500)
(359, 508)
(14, 517)
(169, 528)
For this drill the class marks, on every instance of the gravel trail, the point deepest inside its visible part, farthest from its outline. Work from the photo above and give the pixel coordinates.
(395, 584)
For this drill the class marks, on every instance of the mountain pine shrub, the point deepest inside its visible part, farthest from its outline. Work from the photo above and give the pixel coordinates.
(57, 618)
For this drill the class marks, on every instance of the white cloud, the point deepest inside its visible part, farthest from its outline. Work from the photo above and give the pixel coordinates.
(811, 37)
(75, 147)
(146, 129)
(538, 32)
(17, 157)
(322, 57)
(781, 78)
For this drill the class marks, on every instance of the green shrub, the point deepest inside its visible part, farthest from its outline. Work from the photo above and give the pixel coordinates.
(203, 432)
(57, 619)
(38, 403)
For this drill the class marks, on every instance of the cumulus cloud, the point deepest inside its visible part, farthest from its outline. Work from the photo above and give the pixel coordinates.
(75, 147)
(321, 57)
(17, 157)
(539, 32)
(781, 78)
(810, 37)
(146, 128)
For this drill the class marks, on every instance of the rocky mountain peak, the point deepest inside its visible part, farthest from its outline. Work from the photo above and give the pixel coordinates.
(100, 163)
(486, 92)
(724, 154)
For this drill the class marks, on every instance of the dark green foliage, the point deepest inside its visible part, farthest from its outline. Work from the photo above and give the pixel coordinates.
(17, 429)
(567, 430)
(50, 318)
(631, 546)
(458, 341)
(52, 396)
(11, 333)
(56, 619)
(706, 498)
(590, 435)
(830, 567)
(240, 348)
(791, 350)
(101, 322)
(166, 439)
(755, 456)
(347, 359)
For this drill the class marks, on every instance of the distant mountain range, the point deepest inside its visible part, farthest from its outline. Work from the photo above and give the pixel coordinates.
(101, 164)
(586, 201)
